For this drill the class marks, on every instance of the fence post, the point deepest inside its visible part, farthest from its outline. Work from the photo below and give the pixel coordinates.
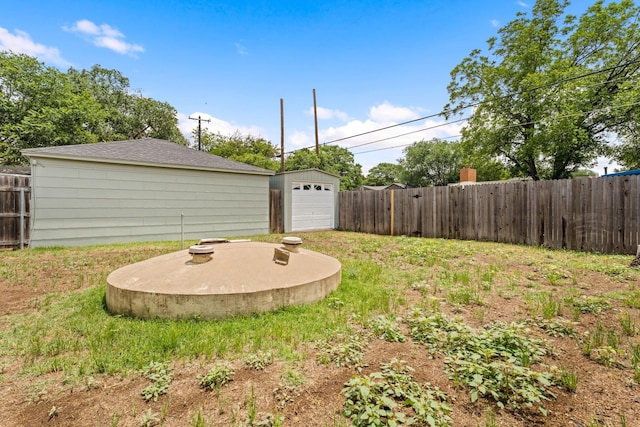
(22, 214)
(392, 209)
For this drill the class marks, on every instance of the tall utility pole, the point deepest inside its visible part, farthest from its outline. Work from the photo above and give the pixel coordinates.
(281, 135)
(200, 120)
(315, 119)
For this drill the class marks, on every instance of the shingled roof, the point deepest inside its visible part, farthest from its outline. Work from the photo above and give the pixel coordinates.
(149, 152)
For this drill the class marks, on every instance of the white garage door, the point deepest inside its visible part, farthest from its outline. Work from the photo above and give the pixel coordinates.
(311, 206)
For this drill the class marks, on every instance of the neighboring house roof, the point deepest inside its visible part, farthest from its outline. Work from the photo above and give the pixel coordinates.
(624, 173)
(503, 181)
(149, 152)
(394, 186)
(15, 170)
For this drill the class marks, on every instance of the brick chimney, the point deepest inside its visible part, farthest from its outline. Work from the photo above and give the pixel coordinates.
(467, 174)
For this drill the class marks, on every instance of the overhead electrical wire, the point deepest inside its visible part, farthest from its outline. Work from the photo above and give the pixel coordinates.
(402, 145)
(463, 107)
(408, 133)
(560, 116)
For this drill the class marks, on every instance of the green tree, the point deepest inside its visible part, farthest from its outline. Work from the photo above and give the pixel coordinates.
(128, 115)
(111, 89)
(628, 154)
(149, 118)
(432, 163)
(383, 174)
(332, 159)
(627, 150)
(40, 107)
(541, 102)
(580, 173)
(241, 148)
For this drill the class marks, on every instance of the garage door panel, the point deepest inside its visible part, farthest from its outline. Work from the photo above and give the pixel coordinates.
(312, 206)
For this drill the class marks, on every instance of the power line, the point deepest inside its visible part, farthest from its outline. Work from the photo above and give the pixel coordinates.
(475, 104)
(408, 133)
(560, 116)
(402, 145)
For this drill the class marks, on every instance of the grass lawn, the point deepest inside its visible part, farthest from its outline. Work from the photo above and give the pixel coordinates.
(423, 331)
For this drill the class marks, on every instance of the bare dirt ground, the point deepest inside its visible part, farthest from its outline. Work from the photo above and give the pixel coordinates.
(605, 396)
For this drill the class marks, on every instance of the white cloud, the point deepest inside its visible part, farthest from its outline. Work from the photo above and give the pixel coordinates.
(300, 140)
(241, 49)
(495, 23)
(215, 125)
(522, 4)
(328, 114)
(20, 42)
(388, 113)
(104, 36)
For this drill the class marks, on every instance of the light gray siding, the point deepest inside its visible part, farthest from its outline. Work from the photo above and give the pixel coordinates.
(82, 202)
(284, 182)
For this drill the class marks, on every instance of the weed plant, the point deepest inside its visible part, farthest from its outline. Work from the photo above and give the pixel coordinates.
(590, 304)
(554, 328)
(149, 419)
(160, 376)
(391, 397)
(494, 361)
(344, 350)
(197, 419)
(387, 329)
(569, 380)
(627, 324)
(220, 374)
(259, 361)
(288, 388)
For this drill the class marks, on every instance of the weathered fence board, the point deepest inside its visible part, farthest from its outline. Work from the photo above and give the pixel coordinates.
(588, 214)
(15, 197)
(276, 219)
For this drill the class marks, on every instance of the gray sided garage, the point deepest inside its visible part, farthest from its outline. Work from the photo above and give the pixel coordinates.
(142, 190)
(309, 199)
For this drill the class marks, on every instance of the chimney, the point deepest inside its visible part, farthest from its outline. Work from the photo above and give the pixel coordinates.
(467, 174)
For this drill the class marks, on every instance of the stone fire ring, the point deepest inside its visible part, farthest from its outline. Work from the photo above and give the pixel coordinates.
(240, 279)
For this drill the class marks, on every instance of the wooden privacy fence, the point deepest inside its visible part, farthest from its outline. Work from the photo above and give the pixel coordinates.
(588, 214)
(15, 215)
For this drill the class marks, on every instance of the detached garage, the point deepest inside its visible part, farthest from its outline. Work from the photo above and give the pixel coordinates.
(309, 199)
(142, 190)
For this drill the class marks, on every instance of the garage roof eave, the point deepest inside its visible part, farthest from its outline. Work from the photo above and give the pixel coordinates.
(33, 156)
(148, 152)
(308, 170)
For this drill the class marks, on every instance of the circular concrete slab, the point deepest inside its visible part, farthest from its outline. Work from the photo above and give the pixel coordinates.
(241, 278)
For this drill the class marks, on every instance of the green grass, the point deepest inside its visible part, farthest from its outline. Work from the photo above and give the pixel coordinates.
(74, 333)
(384, 280)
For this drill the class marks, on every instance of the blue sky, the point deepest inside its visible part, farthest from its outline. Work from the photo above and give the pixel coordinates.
(373, 64)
